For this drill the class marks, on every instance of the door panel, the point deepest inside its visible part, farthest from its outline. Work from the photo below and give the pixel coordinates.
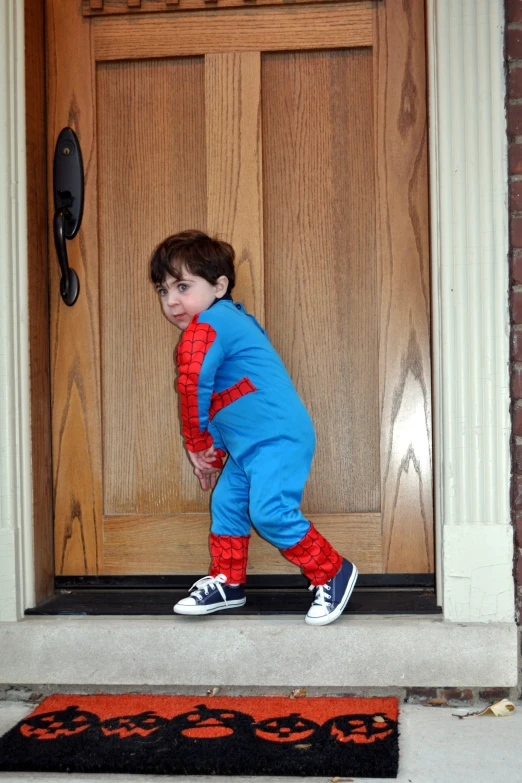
(152, 181)
(148, 544)
(312, 162)
(320, 261)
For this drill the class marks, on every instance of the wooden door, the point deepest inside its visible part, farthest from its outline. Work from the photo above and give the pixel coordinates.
(298, 133)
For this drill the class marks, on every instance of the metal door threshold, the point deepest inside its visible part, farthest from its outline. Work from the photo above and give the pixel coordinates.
(276, 601)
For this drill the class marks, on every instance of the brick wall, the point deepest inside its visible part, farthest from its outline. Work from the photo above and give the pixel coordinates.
(514, 126)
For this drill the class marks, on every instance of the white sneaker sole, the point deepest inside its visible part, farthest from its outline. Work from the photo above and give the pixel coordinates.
(329, 618)
(200, 610)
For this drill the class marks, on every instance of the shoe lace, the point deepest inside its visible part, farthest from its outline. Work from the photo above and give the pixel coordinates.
(207, 583)
(323, 595)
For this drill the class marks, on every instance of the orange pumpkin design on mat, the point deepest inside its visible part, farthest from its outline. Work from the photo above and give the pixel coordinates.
(287, 728)
(206, 723)
(360, 729)
(127, 725)
(61, 723)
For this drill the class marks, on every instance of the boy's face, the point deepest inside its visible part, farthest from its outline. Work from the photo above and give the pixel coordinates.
(182, 299)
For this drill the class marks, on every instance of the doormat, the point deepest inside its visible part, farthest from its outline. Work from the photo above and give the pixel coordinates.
(194, 735)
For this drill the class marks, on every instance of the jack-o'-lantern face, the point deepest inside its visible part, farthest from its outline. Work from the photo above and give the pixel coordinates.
(288, 728)
(60, 723)
(360, 729)
(206, 723)
(127, 725)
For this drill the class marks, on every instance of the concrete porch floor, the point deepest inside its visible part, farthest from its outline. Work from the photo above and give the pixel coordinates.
(434, 746)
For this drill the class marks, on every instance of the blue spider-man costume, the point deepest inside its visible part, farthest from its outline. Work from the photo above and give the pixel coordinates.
(237, 395)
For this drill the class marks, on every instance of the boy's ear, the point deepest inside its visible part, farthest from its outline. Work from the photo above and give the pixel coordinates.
(221, 286)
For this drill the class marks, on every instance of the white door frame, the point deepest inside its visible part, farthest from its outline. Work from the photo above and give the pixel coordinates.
(16, 523)
(470, 316)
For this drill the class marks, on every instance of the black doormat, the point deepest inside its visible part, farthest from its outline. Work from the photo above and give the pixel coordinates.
(191, 735)
(131, 601)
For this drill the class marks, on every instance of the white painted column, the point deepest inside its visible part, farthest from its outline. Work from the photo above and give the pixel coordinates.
(468, 169)
(16, 550)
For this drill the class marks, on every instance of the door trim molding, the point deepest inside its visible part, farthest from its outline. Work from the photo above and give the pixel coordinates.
(470, 318)
(471, 412)
(16, 528)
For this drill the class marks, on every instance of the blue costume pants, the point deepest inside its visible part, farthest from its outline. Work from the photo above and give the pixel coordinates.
(265, 492)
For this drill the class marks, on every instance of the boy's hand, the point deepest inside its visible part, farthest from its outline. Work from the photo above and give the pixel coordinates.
(206, 472)
(208, 480)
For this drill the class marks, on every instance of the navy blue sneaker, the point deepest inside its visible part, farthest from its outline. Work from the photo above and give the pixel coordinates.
(211, 594)
(332, 597)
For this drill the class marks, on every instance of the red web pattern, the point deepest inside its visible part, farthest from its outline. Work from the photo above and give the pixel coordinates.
(220, 456)
(192, 350)
(224, 398)
(316, 556)
(229, 557)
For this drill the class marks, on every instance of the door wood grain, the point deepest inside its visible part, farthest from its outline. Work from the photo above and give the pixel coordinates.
(403, 263)
(298, 134)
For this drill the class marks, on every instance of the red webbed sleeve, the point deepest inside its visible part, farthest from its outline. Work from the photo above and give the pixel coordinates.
(198, 357)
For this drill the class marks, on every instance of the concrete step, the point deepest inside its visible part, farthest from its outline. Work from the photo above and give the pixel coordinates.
(255, 651)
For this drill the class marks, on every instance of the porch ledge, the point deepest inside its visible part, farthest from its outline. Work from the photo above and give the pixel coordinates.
(375, 651)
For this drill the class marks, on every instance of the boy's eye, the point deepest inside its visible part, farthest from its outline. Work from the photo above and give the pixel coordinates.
(182, 287)
(161, 291)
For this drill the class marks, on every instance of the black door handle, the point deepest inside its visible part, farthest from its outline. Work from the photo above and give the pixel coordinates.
(68, 189)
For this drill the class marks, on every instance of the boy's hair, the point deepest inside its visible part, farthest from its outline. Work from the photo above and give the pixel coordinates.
(198, 253)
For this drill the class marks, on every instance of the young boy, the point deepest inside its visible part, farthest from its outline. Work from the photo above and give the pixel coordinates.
(238, 399)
